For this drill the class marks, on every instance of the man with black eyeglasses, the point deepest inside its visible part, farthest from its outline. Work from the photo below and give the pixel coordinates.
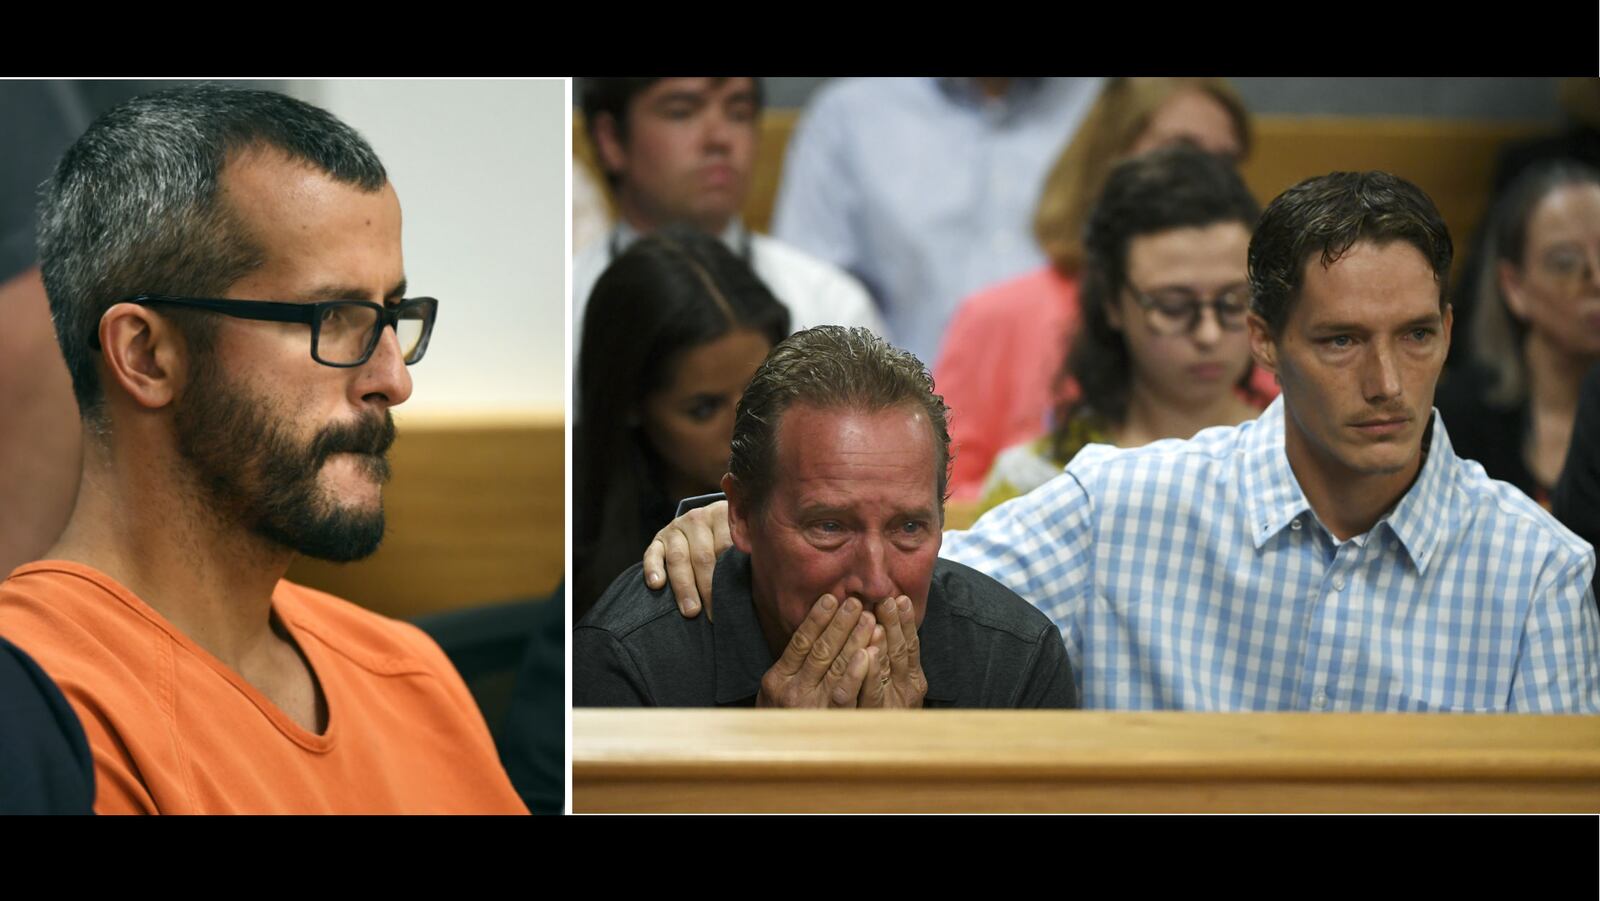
(225, 275)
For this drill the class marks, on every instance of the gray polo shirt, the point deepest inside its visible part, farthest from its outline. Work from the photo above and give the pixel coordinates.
(982, 646)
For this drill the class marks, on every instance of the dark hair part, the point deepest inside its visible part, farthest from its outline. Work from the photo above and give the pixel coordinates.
(831, 367)
(613, 96)
(134, 207)
(1498, 336)
(1326, 216)
(668, 293)
(1175, 187)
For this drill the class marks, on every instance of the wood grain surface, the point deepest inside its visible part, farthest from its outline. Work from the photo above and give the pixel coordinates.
(1085, 761)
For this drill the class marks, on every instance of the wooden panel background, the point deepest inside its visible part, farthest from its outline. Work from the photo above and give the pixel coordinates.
(1453, 160)
(1080, 761)
(476, 514)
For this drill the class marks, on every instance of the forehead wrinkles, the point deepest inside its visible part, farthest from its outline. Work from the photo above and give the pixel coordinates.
(860, 447)
(1372, 283)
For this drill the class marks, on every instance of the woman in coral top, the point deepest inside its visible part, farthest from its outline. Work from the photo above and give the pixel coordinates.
(1006, 344)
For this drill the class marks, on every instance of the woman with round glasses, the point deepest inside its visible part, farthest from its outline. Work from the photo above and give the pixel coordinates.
(1535, 330)
(674, 329)
(1006, 343)
(1163, 350)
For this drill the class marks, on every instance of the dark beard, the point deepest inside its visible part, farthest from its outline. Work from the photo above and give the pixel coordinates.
(257, 475)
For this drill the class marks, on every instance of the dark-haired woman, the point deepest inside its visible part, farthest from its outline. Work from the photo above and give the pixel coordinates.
(1163, 351)
(673, 331)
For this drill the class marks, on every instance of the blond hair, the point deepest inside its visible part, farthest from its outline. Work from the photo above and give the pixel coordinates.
(1112, 127)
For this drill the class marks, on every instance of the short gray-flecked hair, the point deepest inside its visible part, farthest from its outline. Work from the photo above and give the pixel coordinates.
(831, 367)
(134, 207)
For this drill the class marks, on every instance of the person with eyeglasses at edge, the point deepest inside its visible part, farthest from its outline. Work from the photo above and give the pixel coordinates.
(224, 271)
(1333, 554)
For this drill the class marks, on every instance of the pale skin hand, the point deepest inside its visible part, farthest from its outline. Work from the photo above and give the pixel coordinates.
(895, 678)
(685, 553)
(827, 660)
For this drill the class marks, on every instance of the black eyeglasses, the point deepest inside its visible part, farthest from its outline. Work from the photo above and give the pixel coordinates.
(1177, 311)
(344, 333)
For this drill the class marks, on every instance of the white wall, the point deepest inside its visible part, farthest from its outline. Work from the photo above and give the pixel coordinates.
(480, 167)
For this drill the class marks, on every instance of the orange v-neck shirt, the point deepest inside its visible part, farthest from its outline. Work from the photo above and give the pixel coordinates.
(174, 730)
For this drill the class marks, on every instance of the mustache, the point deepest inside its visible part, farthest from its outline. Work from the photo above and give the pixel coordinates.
(370, 435)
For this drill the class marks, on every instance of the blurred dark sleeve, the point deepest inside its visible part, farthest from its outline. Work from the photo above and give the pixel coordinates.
(1576, 498)
(45, 765)
(534, 744)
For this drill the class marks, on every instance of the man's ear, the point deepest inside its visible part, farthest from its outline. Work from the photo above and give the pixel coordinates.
(1449, 323)
(608, 146)
(738, 513)
(1263, 347)
(143, 354)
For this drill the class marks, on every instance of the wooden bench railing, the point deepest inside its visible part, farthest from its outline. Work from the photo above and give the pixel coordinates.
(1086, 761)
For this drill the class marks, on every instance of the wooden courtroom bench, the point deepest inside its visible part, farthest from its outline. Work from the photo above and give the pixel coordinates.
(476, 513)
(1080, 761)
(1451, 159)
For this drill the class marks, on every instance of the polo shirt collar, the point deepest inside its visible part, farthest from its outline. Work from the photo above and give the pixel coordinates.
(937, 632)
(741, 650)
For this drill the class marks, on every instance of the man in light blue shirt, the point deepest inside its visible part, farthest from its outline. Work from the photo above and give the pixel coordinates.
(1334, 554)
(924, 188)
(682, 150)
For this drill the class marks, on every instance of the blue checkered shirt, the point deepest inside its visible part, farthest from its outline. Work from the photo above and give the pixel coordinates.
(1193, 575)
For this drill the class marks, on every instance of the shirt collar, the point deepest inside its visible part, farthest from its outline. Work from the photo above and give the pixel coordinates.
(965, 91)
(1273, 498)
(741, 650)
(624, 235)
(1272, 495)
(1419, 520)
(937, 632)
